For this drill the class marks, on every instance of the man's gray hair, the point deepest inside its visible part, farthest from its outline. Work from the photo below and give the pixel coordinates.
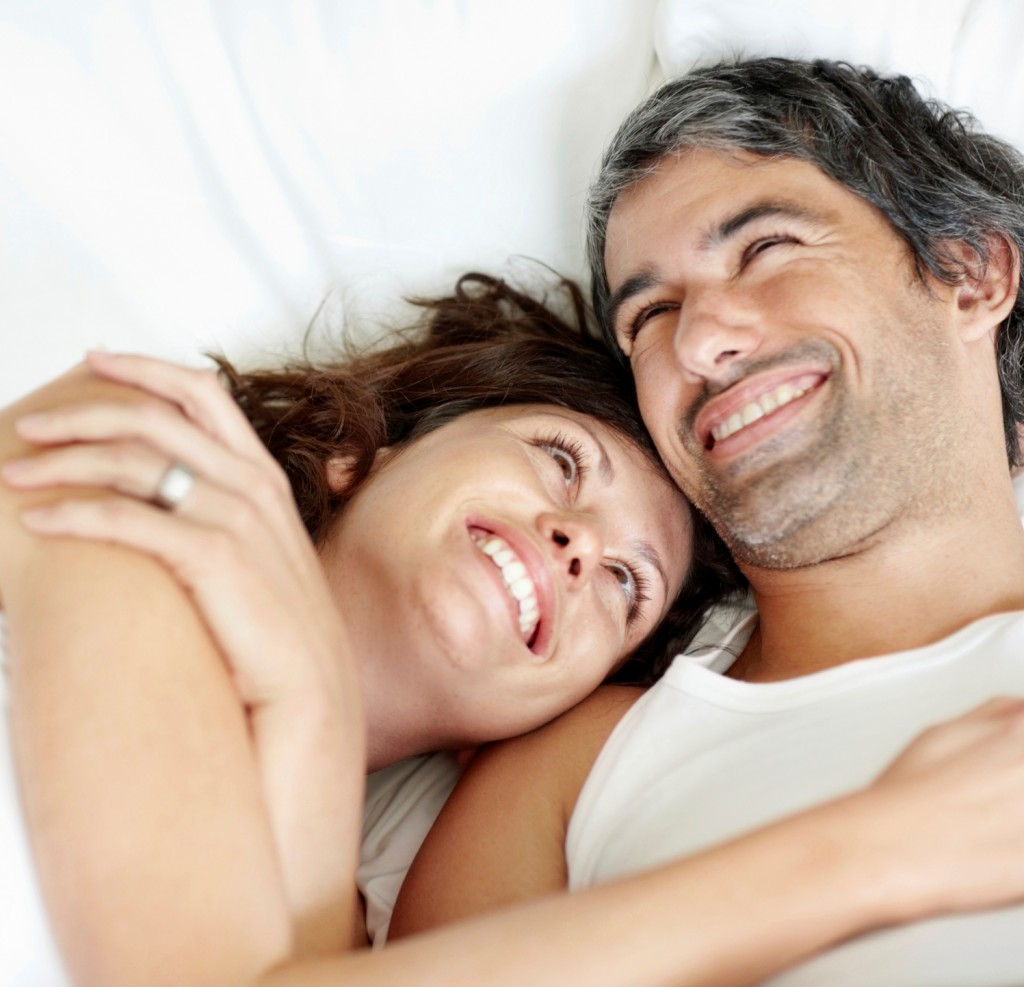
(926, 167)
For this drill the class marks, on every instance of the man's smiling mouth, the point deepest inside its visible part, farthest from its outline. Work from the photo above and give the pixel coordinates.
(517, 581)
(748, 404)
(754, 410)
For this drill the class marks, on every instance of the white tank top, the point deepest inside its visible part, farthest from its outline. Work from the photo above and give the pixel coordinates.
(702, 758)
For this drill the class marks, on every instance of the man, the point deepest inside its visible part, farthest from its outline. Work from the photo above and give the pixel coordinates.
(815, 277)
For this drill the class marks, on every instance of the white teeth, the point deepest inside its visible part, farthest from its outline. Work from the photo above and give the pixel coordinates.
(520, 588)
(754, 410)
(751, 413)
(516, 579)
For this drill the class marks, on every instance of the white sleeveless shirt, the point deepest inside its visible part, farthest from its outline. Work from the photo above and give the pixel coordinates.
(702, 758)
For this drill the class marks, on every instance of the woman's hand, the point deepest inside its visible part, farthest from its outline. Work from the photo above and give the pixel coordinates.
(236, 543)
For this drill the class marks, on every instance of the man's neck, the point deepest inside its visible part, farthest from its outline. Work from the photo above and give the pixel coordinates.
(903, 591)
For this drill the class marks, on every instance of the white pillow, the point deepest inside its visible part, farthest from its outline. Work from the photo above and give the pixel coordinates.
(186, 174)
(966, 52)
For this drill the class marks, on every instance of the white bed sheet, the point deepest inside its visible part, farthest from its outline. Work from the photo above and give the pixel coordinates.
(177, 175)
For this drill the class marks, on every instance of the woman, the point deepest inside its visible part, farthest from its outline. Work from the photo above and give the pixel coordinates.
(421, 510)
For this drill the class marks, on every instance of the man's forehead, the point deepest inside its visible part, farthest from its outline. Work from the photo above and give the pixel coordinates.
(707, 193)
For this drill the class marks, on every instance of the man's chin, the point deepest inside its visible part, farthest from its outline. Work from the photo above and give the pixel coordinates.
(784, 522)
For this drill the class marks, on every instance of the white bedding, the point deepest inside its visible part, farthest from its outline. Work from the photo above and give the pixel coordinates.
(28, 957)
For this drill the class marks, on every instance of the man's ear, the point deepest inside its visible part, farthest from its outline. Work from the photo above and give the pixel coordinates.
(988, 291)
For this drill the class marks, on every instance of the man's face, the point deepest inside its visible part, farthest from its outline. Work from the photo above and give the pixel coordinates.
(799, 379)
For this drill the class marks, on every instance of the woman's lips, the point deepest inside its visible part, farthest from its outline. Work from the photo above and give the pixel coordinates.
(525, 578)
(516, 578)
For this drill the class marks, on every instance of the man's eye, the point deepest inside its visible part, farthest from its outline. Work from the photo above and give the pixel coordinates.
(645, 315)
(760, 245)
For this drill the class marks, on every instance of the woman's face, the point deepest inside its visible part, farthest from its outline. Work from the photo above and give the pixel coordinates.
(497, 569)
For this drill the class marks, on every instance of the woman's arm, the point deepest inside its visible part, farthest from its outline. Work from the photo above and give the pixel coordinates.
(238, 546)
(134, 760)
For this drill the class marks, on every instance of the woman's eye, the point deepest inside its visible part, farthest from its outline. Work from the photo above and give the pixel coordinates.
(623, 576)
(566, 463)
(568, 456)
(633, 585)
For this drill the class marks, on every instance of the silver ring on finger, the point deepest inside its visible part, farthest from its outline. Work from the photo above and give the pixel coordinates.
(174, 486)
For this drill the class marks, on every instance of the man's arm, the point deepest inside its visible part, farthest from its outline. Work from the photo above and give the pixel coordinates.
(501, 835)
(137, 776)
(914, 844)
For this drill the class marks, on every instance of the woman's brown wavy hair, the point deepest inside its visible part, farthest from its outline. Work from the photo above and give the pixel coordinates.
(485, 345)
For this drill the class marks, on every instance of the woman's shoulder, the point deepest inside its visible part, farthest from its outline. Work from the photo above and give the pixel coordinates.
(76, 385)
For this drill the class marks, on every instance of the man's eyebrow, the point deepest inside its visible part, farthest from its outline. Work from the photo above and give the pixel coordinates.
(630, 287)
(767, 208)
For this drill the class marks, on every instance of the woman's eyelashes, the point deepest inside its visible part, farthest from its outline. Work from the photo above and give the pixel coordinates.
(634, 586)
(568, 455)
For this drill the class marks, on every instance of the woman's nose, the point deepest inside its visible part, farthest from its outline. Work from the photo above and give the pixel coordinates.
(576, 544)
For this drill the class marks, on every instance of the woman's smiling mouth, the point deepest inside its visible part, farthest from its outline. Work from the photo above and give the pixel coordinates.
(516, 578)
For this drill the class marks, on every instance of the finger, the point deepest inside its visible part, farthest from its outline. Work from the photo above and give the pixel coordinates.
(132, 468)
(163, 427)
(209, 525)
(138, 471)
(199, 393)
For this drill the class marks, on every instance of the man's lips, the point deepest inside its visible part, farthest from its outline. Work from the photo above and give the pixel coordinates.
(754, 407)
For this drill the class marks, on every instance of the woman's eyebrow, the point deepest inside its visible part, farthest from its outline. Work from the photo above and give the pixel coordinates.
(649, 554)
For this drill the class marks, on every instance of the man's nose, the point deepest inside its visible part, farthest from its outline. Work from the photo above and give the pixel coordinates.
(717, 327)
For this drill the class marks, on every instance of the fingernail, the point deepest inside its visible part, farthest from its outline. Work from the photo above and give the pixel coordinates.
(14, 469)
(32, 423)
(36, 517)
